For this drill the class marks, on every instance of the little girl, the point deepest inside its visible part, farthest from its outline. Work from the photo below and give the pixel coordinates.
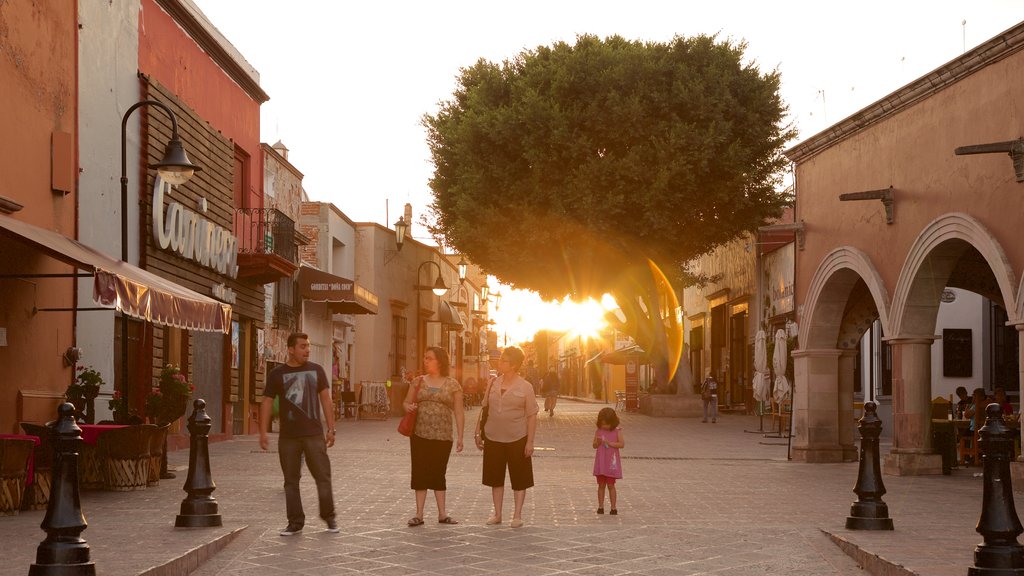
(607, 464)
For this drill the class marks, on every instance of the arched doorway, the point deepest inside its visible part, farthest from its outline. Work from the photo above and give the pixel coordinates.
(953, 251)
(846, 298)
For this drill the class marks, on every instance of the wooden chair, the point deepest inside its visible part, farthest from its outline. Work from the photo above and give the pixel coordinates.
(14, 455)
(38, 496)
(348, 402)
(967, 448)
(156, 453)
(940, 408)
(124, 454)
(967, 445)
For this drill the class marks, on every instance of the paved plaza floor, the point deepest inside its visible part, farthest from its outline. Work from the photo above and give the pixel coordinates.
(695, 499)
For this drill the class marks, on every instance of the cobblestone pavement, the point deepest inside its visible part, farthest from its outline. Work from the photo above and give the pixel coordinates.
(696, 499)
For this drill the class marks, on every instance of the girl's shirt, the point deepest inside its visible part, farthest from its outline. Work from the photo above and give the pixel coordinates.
(606, 459)
(434, 411)
(507, 412)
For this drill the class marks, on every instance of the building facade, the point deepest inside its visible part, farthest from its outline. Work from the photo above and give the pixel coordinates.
(898, 205)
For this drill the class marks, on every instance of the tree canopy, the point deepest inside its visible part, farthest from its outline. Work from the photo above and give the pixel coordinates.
(605, 166)
(562, 167)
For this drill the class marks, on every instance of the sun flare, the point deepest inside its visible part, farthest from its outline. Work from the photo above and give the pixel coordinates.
(521, 314)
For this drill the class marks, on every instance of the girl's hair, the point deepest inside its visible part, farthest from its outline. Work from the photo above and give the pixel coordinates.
(608, 416)
(444, 365)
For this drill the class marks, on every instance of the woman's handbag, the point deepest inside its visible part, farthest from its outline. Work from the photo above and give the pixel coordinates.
(408, 423)
(484, 410)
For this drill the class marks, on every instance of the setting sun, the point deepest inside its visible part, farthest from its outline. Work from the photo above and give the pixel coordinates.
(521, 314)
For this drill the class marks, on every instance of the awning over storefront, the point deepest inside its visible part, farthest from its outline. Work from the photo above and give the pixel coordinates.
(620, 357)
(450, 316)
(343, 296)
(129, 289)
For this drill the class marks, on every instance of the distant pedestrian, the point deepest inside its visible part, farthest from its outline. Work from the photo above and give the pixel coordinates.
(709, 397)
(550, 390)
(509, 430)
(303, 393)
(436, 398)
(608, 440)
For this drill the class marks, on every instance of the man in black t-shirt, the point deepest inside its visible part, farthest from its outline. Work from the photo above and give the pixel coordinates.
(303, 393)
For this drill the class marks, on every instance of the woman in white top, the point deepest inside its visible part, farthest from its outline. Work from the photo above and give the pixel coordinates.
(509, 430)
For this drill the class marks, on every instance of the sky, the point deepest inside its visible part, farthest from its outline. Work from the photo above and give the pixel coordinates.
(350, 81)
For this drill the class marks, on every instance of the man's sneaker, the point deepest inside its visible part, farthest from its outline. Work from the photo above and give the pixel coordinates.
(332, 526)
(290, 530)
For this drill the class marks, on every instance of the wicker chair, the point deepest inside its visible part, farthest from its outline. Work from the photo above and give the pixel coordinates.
(38, 496)
(14, 455)
(124, 453)
(156, 453)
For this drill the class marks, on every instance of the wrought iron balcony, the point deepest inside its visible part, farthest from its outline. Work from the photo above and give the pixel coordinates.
(284, 317)
(266, 245)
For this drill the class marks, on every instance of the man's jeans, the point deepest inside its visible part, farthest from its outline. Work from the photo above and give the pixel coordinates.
(713, 404)
(291, 451)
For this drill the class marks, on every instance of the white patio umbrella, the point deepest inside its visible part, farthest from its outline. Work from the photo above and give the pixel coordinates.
(762, 378)
(782, 388)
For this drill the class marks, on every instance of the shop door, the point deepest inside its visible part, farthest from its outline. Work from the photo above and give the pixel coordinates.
(208, 375)
(737, 359)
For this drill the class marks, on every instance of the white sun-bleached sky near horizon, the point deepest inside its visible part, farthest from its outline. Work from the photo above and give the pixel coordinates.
(350, 81)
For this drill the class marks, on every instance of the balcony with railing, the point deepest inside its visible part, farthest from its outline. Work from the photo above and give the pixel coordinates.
(266, 245)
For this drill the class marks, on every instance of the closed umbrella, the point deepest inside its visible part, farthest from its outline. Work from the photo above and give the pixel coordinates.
(762, 379)
(782, 388)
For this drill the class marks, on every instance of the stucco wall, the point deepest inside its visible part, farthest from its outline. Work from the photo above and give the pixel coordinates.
(108, 86)
(913, 152)
(37, 98)
(201, 84)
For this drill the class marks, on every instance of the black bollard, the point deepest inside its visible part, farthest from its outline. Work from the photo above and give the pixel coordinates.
(999, 554)
(198, 509)
(869, 512)
(64, 552)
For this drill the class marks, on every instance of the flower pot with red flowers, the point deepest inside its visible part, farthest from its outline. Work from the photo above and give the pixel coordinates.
(168, 399)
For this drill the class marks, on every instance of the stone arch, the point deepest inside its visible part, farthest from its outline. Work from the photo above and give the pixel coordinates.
(928, 266)
(845, 292)
(829, 292)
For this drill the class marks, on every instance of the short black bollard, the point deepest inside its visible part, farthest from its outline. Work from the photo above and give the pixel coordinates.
(199, 509)
(869, 512)
(64, 552)
(999, 554)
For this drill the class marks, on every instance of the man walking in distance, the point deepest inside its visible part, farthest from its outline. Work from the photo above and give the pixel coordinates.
(303, 393)
(550, 389)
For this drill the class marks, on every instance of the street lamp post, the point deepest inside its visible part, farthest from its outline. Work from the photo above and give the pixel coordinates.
(439, 288)
(175, 168)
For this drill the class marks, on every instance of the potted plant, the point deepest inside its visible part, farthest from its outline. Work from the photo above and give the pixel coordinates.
(168, 399)
(119, 406)
(83, 390)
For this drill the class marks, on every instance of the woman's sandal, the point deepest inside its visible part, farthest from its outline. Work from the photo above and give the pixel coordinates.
(493, 520)
(447, 520)
(414, 521)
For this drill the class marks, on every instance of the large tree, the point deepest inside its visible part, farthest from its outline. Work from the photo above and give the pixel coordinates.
(604, 166)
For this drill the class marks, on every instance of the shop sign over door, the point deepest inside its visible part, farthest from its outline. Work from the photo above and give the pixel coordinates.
(192, 236)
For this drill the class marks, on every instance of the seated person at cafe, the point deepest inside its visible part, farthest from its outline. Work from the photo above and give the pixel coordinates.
(1003, 402)
(977, 408)
(963, 402)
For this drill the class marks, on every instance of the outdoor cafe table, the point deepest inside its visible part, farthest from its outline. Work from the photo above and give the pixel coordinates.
(947, 433)
(90, 467)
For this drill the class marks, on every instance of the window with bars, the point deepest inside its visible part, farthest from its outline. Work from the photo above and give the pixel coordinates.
(398, 337)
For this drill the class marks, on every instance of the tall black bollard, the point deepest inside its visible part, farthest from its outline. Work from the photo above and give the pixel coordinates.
(64, 552)
(869, 512)
(999, 554)
(198, 509)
